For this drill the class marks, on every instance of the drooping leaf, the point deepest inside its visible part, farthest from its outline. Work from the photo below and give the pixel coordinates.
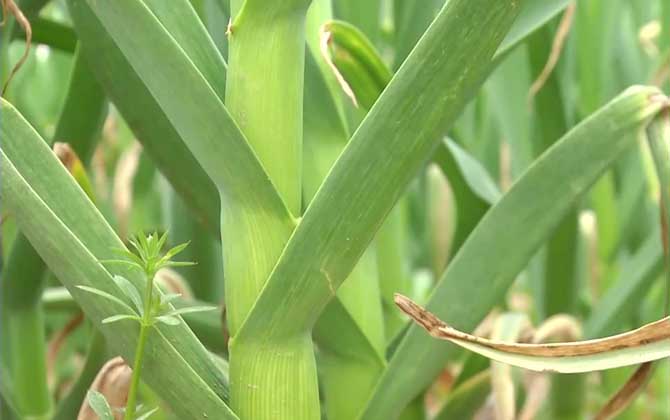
(648, 343)
(502, 244)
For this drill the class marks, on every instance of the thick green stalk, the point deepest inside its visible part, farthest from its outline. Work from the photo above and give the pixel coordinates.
(561, 278)
(270, 379)
(264, 87)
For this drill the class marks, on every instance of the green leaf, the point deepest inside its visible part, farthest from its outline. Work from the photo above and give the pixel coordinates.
(116, 318)
(99, 404)
(107, 296)
(189, 105)
(350, 332)
(130, 291)
(422, 100)
(163, 143)
(72, 237)
(502, 243)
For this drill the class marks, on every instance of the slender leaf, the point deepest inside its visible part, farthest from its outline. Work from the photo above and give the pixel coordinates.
(422, 99)
(502, 243)
(71, 236)
(143, 114)
(195, 111)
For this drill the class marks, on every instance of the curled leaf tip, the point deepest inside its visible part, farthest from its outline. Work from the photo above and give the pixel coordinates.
(424, 318)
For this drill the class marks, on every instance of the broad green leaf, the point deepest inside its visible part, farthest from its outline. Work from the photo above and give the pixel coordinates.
(193, 109)
(369, 176)
(350, 332)
(648, 343)
(23, 326)
(502, 243)
(410, 22)
(143, 114)
(71, 236)
(99, 404)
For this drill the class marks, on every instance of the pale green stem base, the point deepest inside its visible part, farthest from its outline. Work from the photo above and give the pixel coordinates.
(274, 380)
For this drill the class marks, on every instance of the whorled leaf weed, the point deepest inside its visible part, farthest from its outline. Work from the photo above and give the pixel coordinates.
(147, 308)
